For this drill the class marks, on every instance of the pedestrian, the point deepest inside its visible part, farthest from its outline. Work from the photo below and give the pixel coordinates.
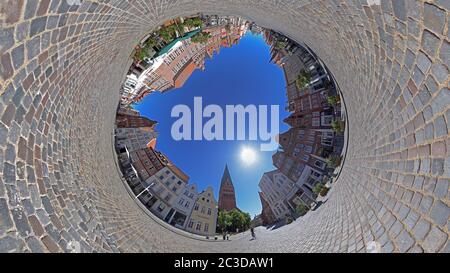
(252, 230)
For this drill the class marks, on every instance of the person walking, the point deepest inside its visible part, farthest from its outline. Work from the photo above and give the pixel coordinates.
(252, 230)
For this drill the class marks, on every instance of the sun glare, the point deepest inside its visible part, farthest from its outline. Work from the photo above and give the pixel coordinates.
(248, 155)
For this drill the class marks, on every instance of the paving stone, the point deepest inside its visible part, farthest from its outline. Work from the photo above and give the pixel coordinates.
(36, 225)
(8, 244)
(440, 213)
(3, 134)
(50, 244)
(442, 187)
(430, 43)
(443, 4)
(5, 219)
(34, 245)
(37, 26)
(404, 241)
(435, 240)
(440, 72)
(440, 127)
(444, 53)
(21, 222)
(423, 62)
(434, 18)
(6, 38)
(43, 217)
(9, 173)
(6, 69)
(421, 229)
(30, 9)
(438, 166)
(426, 203)
(33, 47)
(47, 205)
(400, 9)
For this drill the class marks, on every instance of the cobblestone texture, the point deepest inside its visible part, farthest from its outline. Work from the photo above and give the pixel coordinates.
(61, 65)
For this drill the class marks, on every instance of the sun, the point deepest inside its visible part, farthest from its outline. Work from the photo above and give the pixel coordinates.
(248, 156)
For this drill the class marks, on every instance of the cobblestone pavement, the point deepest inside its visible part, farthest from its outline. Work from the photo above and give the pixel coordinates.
(61, 65)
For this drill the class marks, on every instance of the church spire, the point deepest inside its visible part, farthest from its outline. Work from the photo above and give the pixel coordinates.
(226, 177)
(227, 196)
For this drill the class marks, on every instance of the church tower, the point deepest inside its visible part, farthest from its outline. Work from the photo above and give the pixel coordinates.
(227, 196)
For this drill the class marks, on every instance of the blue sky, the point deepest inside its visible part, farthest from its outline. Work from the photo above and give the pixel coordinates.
(238, 75)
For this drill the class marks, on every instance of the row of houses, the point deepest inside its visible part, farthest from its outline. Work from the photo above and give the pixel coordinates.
(173, 64)
(158, 183)
(301, 161)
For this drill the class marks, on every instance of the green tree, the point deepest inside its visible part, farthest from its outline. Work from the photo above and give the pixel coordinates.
(338, 125)
(151, 42)
(224, 221)
(303, 79)
(318, 188)
(140, 53)
(334, 161)
(302, 209)
(233, 220)
(333, 100)
(201, 37)
(280, 45)
(167, 34)
(246, 220)
(194, 22)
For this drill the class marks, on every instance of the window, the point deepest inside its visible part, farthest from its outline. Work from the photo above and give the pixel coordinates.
(191, 224)
(209, 211)
(168, 197)
(161, 177)
(316, 174)
(319, 164)
(199, 226)
(174, 189)
(305, 158)
(206, 227)
(161, 207)
(203, 209)
(308, 149)
(167, 172)
(181, 201)
(196, 207)
(179, 182)
(315, 122)
(187, 204)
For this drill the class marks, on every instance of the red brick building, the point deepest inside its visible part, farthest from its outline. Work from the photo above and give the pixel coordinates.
(267, 215)
(147, 162)
(132, 121)
(227, 196)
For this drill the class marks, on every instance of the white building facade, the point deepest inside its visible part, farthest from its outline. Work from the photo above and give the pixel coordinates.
(276, 188)
(165, 187)
(183, 205)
